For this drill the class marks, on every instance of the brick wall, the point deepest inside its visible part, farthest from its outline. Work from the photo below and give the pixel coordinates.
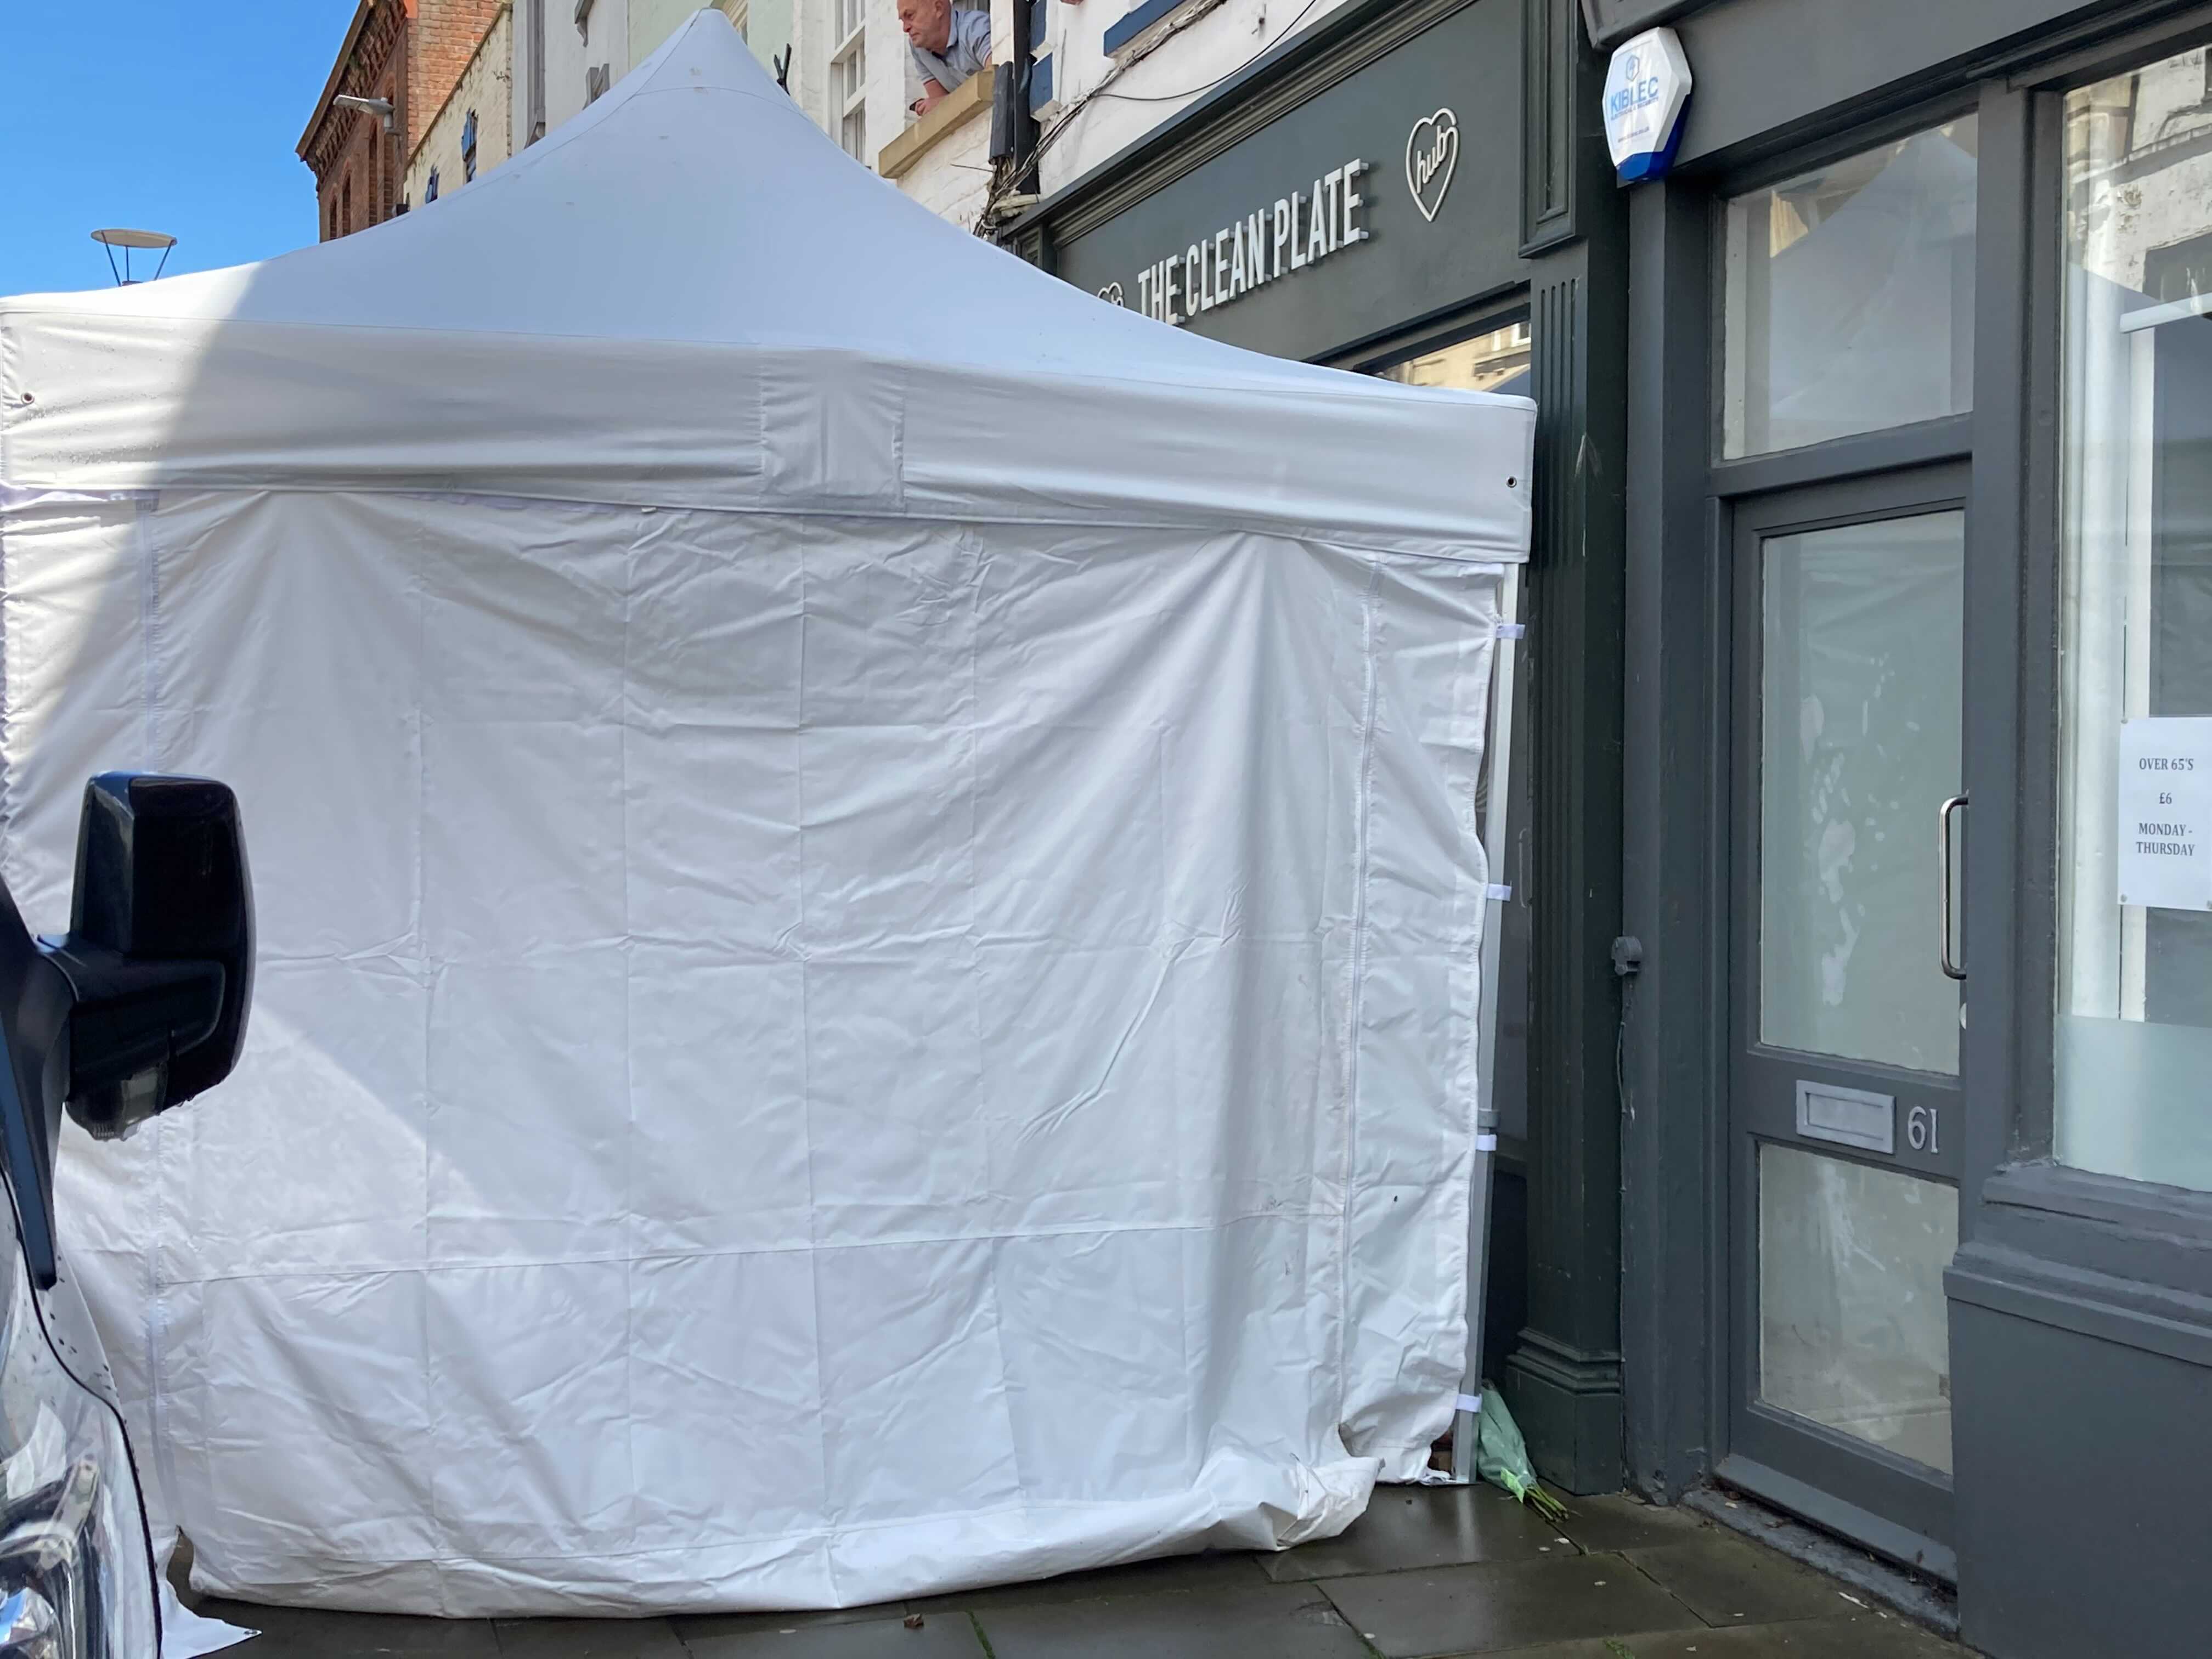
(412, 52)
(355, 164)
(442, 42)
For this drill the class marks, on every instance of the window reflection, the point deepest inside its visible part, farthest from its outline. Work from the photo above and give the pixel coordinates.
(1851, 296)
(2134, 1039)
(1854, 1331)
(1494, 362)
(1859, 742)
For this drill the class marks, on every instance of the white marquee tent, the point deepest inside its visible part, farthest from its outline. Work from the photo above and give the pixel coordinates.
(865, 864)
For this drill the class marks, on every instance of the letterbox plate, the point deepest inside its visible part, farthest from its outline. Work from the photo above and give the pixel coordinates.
(1850, 1117)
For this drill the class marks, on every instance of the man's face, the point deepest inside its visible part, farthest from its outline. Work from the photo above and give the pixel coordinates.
(927, 23)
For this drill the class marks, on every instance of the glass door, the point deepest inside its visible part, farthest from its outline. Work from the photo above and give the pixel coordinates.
(1842, 439)
(1843, 1113)
(1845, 1099)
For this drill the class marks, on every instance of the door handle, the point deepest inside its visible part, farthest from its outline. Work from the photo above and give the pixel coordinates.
(1947, 918)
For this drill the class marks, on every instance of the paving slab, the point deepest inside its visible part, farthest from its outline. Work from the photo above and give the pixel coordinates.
(943, 1636)
(1258, 1620)
(1623, 1522)
(304, 1633)
(1864, 1636)
(1425, 1526)
(692, 1625)
(1214, 1570)
(587, 1639)
(1496, 1605)
(1727, 1580)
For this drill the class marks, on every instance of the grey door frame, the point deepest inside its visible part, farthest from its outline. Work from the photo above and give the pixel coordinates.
(1678, 1037)
(1766, 1447)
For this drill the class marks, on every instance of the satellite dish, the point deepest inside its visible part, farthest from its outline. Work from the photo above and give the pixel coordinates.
(127, 240)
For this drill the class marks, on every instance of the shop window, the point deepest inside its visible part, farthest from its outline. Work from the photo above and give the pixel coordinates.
(2134, 1039)
(1494, 362)
(1851, 296)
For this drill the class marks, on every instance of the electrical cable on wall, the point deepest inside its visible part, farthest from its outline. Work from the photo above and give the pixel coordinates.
(1015, 177)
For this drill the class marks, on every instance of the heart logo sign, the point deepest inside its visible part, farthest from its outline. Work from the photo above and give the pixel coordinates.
(1432, 152)
(1111, 294)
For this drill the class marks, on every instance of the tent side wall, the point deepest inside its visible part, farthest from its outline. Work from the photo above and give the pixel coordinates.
(800, 1059)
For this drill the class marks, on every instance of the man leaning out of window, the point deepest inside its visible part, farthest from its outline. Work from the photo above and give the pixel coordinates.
(950, 44)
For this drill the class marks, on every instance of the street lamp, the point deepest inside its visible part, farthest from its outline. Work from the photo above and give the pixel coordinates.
(127, 240)
(379, 107)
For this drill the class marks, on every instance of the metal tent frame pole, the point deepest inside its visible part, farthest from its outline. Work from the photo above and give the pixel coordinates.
(1498, 761)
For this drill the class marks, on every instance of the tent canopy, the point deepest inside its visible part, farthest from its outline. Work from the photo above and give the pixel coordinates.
(870, 897)
(687, 296)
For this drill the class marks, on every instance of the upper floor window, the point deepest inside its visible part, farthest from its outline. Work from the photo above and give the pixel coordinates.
(1850, 303)
(469, 146)
(848, 78)
(430, 188)
(948, 45)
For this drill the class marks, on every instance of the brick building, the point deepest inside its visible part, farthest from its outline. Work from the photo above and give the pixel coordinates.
(411, 53)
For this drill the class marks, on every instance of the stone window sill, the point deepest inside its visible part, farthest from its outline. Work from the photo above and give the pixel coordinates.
(898, 156)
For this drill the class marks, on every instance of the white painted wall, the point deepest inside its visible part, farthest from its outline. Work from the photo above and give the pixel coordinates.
(483, 86)
(1210, 42)
(569, 53)
(951, 180)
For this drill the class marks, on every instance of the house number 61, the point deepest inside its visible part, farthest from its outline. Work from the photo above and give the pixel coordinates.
(1920, 1129)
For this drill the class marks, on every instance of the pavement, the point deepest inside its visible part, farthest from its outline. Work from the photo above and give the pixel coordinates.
(1426, 1572)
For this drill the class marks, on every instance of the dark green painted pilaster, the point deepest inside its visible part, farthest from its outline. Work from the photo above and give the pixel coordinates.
(1564, 1379)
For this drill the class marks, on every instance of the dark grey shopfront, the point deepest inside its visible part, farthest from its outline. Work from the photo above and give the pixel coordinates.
(1481, 275)
(1917, 1137)
(1869, 666)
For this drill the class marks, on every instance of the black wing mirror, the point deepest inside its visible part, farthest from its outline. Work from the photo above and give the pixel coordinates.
(159, 956)
(143, 1003)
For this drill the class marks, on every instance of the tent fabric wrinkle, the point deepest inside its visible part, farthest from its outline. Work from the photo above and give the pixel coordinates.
(867, 875)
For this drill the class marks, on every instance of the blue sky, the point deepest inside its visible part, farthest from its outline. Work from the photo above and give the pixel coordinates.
(156, 114)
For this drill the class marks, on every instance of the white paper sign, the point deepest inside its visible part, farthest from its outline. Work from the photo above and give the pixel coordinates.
(2166, 813)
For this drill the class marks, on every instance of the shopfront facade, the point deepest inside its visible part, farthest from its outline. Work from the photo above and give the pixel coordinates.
(1419, 190)
(1918, 1064)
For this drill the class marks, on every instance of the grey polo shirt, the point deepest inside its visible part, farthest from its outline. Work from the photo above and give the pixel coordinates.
(967, 50)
